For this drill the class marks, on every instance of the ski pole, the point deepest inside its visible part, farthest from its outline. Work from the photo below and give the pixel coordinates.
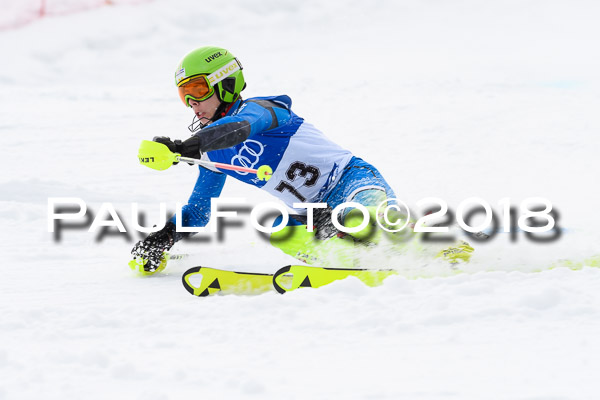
(262, 170)
(158, 156)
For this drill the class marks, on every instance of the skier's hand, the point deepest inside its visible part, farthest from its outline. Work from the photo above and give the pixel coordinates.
(151, 249)
(172, 145)
(188, 148)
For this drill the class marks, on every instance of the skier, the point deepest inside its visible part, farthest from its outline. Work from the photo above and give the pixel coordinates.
(307, 166)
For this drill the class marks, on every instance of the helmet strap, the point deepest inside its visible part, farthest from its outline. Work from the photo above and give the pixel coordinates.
(222, 110)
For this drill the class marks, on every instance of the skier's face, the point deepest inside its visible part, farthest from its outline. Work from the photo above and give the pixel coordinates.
(205, 110)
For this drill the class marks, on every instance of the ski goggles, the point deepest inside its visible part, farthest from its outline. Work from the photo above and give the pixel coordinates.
(195, 88)
(201, 87)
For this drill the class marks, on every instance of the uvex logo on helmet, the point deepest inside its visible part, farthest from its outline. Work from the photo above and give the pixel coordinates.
(224, 72)
(214, 56)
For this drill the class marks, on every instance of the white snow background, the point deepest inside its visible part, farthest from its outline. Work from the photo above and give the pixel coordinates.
(448, 99)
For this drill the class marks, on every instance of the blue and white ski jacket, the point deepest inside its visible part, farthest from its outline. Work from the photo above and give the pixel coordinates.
(259, 131)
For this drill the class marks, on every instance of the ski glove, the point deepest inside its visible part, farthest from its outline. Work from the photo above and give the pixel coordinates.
(187, 148)
(151, 249)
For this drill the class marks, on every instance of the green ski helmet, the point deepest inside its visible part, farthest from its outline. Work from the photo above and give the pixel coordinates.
(207, 70)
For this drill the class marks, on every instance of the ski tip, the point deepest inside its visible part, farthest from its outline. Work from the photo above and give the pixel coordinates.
(278, 282)
(185, 279)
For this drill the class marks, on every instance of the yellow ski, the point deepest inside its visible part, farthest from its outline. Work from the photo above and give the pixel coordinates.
(293, 277)
(204, 281)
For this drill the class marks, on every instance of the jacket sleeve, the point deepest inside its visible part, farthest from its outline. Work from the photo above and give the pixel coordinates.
(196, 213)
(253, 116)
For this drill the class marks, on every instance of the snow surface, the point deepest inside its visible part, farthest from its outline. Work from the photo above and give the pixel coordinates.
(448, 99)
